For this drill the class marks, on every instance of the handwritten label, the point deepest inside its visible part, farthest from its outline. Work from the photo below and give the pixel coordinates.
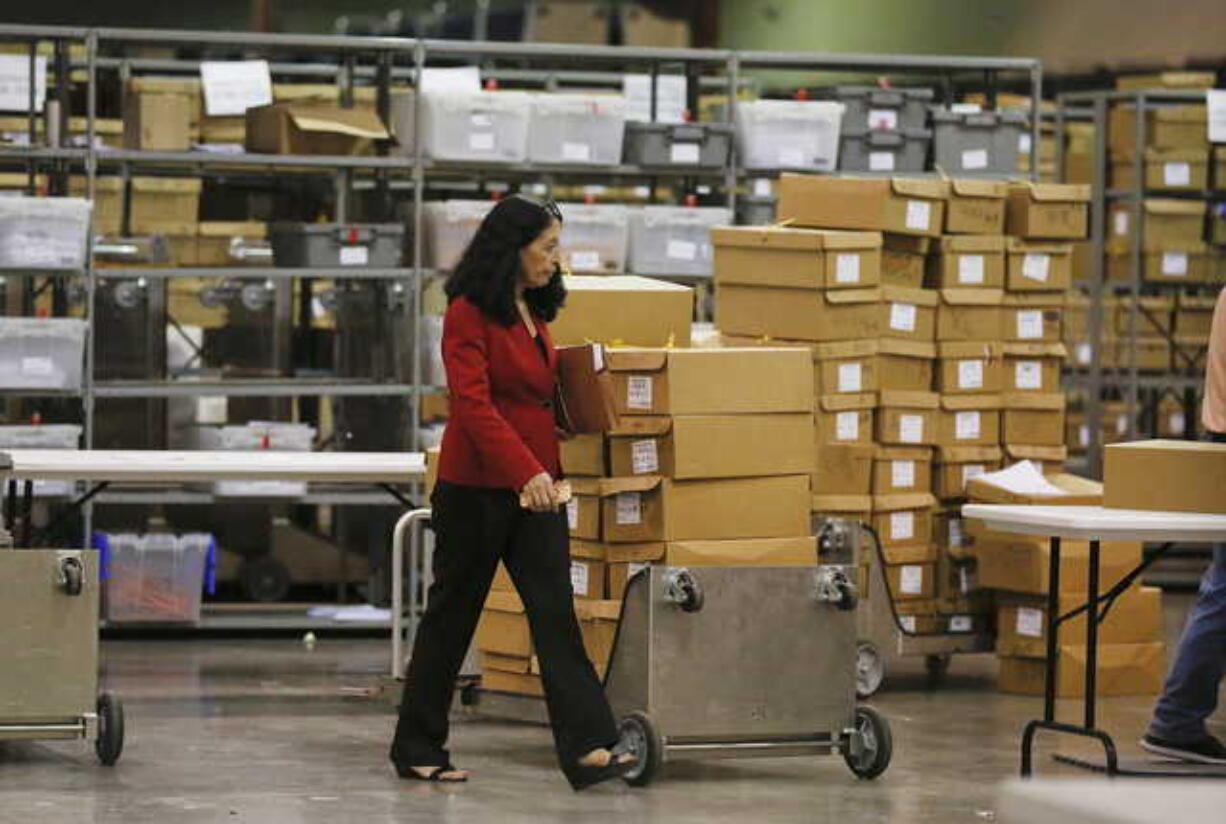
(629, 508)
(919, 215)
(970, 374)
(579, 578)
(975, 159)
(911, 428)
(1036, 266)
(911, 580)
(902, 317)
(1030, 622)
(684, 153)
(639, 392)
(1030, 324)
(970, 269)
(847, 426)
(847, 268)
(644, 457)
(967, 425)
(572, 514)
(902, 474)
(881, 161)
(1028, 375)
(850, 377)
(902, 526)
(231, 87)
(354, 256)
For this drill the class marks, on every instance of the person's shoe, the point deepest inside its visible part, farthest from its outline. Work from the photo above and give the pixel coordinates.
(1207, 750)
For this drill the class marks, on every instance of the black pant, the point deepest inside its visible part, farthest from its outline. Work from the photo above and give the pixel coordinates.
(474, 528)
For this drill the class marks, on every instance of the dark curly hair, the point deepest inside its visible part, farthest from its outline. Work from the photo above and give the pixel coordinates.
(488, 270)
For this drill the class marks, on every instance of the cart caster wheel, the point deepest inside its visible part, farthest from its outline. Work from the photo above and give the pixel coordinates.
(264, 579)
(646, 745)
(870, 756)
(870, 670)
(848, 597)
(684, 590)
(468, 695)
(74, 576)
(109, 745)
(937, 666)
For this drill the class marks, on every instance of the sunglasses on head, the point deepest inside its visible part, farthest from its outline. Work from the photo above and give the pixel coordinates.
(551, 207)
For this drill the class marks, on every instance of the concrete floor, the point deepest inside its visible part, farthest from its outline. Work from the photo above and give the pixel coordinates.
(268, 731)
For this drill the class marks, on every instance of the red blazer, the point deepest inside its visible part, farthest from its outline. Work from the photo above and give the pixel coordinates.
(501, 429)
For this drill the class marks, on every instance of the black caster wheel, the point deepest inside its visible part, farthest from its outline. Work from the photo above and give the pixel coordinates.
(870, 670)
(74, 576)
(469, 695)
(646, 745)
(264, 579)
(109, 744)
(869, 751)
(937, 666)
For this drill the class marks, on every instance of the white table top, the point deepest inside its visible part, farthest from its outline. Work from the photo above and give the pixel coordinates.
(1100, 523)
(166, 466)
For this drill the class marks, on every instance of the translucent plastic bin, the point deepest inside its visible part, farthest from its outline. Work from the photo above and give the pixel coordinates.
(44, 436)
(595, 238)
(756, 211)
(43, 232)
(155, 578)
(41, 353)
(489, 127)
(577, 128)
(449, 225)
(697, 145)
(264, 435)
(674, 240)
(874, 108)
(789, 134)
(377, 245)
(977, 143)
(904, 150)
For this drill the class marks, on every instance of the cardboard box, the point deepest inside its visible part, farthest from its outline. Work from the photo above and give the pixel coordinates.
(583, 508)
(1039, 267)
(587, 578)
(1170, 476)
(313, 128)
(926, 606)
(1194, 315)
(1048, 210)
(796, 258)
(1123, 669)
(1182, 126)
(901, 470)
(624, 310)
(1192, 264)
(1078, 492)
(976, 207)
(711, 381)
(969, 315)
(1019, 563)
(1033, 367)
(1166, 80)
(713, 446)
(215, 240)
(1021, 625)
(969, 367)
(1031, 317)
(512, 682)
(617, 553)
(949, 531)
(584, 455)
(598, 620)
(1155, 315)
(907, 206)
(505, 663)
(1050, 458)
(1169, 224)
(161, 114)
(1033, 419)
(969, 420)
(921, 624)
(873, 365)
(844, 419)
(907, 418)
(165, 206)
(843, 469)
(107, 215)
(503, 627)
(796, 551)
(849, 507)
(832, 315)
(903, 260)
(620, 576)
(957, 465)
(911, 582)
(968, 261)
(585, 389)
(1185, 170)
(904, 520)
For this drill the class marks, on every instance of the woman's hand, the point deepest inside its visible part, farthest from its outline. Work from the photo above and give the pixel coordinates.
(538, 494)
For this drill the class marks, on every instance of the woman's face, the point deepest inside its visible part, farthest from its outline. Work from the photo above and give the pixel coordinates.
(539, 259)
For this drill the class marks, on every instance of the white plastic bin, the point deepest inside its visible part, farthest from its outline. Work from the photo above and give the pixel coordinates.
(44, 436)
(488, 127)
(595, 237)
(41, 353)
(577, 128)
(674, 240)
(264, 435)
(154, 578)
(789, 134)
(43, 232)
(449, 225)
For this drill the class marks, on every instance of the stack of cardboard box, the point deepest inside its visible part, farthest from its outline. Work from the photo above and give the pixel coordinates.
(1175, 155)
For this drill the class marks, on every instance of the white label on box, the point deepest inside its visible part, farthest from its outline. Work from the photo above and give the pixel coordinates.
(1121, 423)
(907, 622)
(847, 426)
(966, 108)
(685, 153)
(911, 428)
(1030, 324)
(231, 87)
(972, 471)
(964, 580)
(682, 250)
(629, 508)
(578, 577)
(902, 474)
(975, 159)
(1175, 263)
(883, 119)
(15, 82)
(902, 526)
(1176, 174)
(967, 425)
(1084, 353)
(212, 409)
(572, 513)
(919, 214)
(586, 260)
(902, 316)
(881, 161)
(481, 141)
(598, 357)
(762, 187)
(1216, 102)
(960, 623)
(481, 120)
(1036, 266)
(644, 457)
(1030, 622)
(850, 377)
(1177, 423)
(1028, 375)
(1121, 223)
(970, 268)
(790, 158)
(642, 192)
(37, 367)
(354, 256)
(579, 152)
(1083, 435)
(639, 392)
(847, 268)
(956, 536)
(1023, 144)
(970, 374)
(911, 580)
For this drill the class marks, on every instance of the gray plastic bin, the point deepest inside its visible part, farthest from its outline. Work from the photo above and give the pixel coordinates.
(871, 107)
(904, 150)
(377, 245)
(756, 211)
(977, 143)
(697, 145)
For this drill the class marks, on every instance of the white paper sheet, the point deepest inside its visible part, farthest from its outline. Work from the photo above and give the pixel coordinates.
(15, 82)
(231, 87)
(670, 97)
(1023, 478)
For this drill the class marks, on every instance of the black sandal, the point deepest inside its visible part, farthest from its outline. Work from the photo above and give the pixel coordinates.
(583, 776)
(435, 775)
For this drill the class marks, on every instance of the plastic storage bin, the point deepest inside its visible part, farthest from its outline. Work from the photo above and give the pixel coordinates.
(977, 143)
(449, 225)
(43, 232)
(674, 240)
(789, 134)
(874, 108)
(261, 435)
(903, 150)
(44, 436)
(756, 211)
(155, 578)
(487, 127)
(697, 145)
(41, 353)
(595, 238)
(577, 128)
(377, 245)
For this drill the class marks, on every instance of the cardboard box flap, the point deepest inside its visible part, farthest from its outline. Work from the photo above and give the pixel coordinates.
(636, 360)
(907, 348)
(843, 403)
(901, 453)
(502, 601)
(966, 187)
(972, 243)
(904, 500)
(846, 349)
(1036, 453)
(1053, 192)
(786, 237)
(1037, 300)
(587, 610)
(642, 483)
(967, 454)
(1033, 400)
(827, 504)
(588, 550)
(954, 403)
(990, 350)
(336, 120)
(167, 185)
(973, 297)
(233, 228)
(1170, 206)
(629, 426)
(931, 188)
(1036, 350)
(849, 296)
(910, 400)
(901, 294)
(1018, 246)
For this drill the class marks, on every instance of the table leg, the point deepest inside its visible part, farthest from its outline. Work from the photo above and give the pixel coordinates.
(27, 513)
(10, 509)
(1092, 637)
(1053, 631)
